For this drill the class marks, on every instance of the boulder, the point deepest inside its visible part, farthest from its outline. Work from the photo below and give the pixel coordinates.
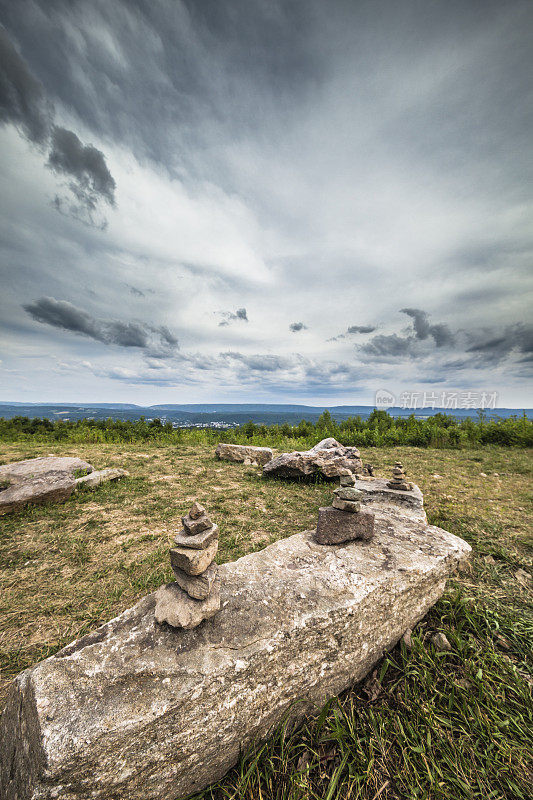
(328, 458)
(145, 711)
(48, 479)
(243, 453)
(100, 476)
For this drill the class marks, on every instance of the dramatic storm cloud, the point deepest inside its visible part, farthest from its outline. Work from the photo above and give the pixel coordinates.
(62, 314)
(23, 103)
(318, 199)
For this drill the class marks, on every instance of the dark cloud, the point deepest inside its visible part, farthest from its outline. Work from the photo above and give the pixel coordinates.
(259, 362)
(85, 164)
(514, 338)
(423, 329)
(386, 346)
(361, 329)
(22, 99)
(297, 326)
(23, 103)
(230, 316)
(159, 341)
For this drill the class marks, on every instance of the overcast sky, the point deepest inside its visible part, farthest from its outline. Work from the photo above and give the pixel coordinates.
(265, 200)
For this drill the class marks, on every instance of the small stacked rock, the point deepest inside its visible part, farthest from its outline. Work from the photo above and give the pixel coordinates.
(399, 479)
(344, 521)
(195, 594)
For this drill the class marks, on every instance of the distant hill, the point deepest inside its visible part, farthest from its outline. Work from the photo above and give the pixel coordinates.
(222, 414)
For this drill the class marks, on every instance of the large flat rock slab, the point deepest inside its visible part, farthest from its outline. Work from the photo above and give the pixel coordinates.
(48, 479)
(145, 711)
(243, 452)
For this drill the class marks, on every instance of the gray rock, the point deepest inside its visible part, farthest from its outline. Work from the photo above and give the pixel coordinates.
(241, 452)
(328, 458)
(196, 511)
(198, 542)
(194, 526)
(100, 476)
(347, 480)
(48, 479)
(440, 641)
(348, 493)
(377, 493)
(143, 711)
(352, 506)
(196, 586)
(335, 526)
(176, 608)
(36, 491)
(193, 562)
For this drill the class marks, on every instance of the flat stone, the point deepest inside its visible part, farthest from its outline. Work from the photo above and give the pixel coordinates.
(241, 452)
(143, 711)
(347, 480)
(176, 608)
(36, 491)
(348, 493)
(335, 526)
(400, 486)
(196, 586)
(198, 542)
(48, 479)
(193, 562)
(346, 505)
(327, 458)
(377, 493)
(97, 477)
(194, 526)
(196, 511)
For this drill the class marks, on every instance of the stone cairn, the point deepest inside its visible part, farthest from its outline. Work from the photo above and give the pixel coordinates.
(195, 593)
(399, 479)
(344, 521)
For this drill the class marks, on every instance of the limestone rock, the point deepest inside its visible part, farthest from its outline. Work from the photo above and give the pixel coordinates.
(241, 452)
(347, 481)
(346, 505)
(19, 471)
(48, 479)
(348, 493)
(144, 711)
(196, 586)
(36, 492)
(335, 526)
(196, 511)
(193, 562)
(100, 476)
(176, 608)
(381, 496)
(197, 525)
(198, 542)
(328, 458)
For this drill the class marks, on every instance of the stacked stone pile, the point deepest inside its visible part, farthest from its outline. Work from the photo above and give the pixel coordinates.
(399, 479)
(195, 593)
(344, 521)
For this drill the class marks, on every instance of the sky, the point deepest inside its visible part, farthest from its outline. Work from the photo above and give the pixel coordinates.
(293, 201)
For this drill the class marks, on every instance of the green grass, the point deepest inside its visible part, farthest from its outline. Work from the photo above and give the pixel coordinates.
(426, 724)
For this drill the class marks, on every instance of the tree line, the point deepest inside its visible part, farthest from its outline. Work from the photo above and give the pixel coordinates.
(378, 430)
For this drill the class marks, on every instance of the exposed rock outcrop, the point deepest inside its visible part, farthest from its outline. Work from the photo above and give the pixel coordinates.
(244, 453)
(328, 458)
(145, 711)
(48, 479)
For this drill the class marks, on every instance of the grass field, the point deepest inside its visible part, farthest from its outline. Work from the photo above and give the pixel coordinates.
(427, 724)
